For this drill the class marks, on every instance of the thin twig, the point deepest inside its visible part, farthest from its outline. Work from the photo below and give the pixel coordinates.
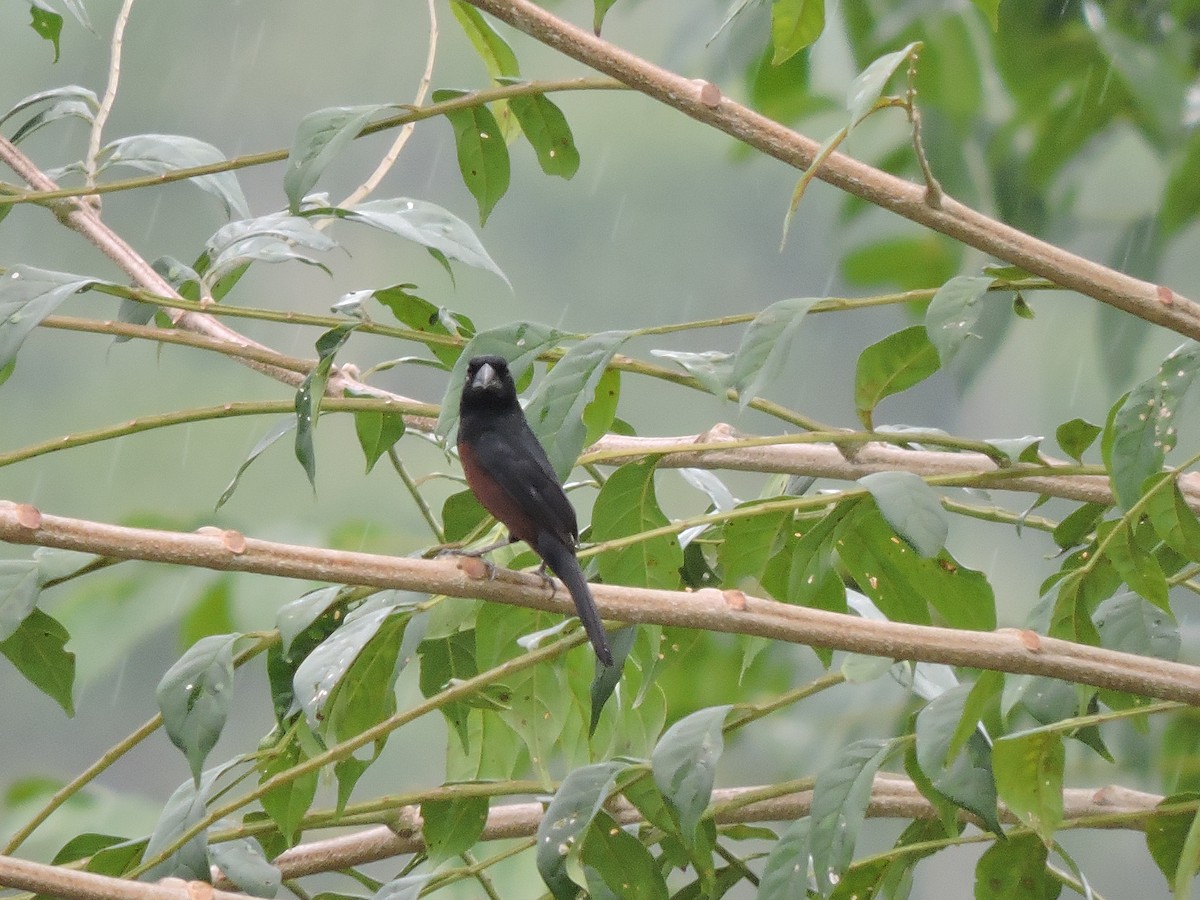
(110, 95)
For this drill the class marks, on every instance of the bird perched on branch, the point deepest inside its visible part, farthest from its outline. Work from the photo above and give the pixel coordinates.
(509, 474)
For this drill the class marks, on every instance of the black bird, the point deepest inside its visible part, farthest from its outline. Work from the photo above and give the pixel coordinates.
(509, 473)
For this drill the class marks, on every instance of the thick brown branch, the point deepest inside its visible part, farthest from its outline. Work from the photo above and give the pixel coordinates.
(1007, 650)
(56, 881)
(704, 103)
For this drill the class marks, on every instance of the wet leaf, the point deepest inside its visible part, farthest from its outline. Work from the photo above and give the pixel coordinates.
(765, 347)
(159, 154)
(28, 295)
(482, 154)
(890, 366)
(194, 697)
(320, 137)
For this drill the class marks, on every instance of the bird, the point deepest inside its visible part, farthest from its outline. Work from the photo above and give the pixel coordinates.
(509, 473)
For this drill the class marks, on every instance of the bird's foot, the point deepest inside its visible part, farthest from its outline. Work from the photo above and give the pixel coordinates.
(548, 579)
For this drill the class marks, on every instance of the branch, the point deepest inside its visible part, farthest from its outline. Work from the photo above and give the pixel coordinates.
(56, 881)
(698, 99)
(1008, 650)
(891, 797)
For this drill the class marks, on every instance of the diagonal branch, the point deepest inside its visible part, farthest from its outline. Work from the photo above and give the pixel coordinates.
(1008, 650)
(703, 102)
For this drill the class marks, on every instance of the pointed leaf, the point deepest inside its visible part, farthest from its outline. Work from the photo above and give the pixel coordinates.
(1136, 567)
(555, 411)
(320, 137)
(491, 47)
(1029, 773)
(243, 862)
(794, 25)
(627, 505)
(600, 9)
(287, 803)
(421, 315)
(452, 827)
(1132, 624)
(183, 809)
(281, 428)
(1016, 868)
(482, 155)
(953, 311)
(569, 815)
(684, 764)
(1167, 832)
(407, 888)
(194, 697)
(712, 368)
(1172, 518)
(37, 651)
(785, 875)
(323, 669)
(162, 153)
(622, 862)
(765, 346)
(890, 366)
(28, 295)
(548, 133)
(20, 587)
(911, 507)
(839, 807)
(868, 87)
(965, 777)
(377, 433)
(272, 238)
(1076, 436)
(312, 391)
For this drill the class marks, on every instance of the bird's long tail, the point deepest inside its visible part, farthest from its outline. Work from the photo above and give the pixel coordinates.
(561, 558)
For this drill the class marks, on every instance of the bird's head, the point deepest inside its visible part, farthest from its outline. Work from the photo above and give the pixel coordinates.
(488, 384)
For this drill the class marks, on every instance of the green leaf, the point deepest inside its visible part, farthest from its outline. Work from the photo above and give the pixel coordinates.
(1189, 862)
(1171, 517)
(627, 505)
(600, 9)
(406, 888)
(684, 765)
(520, 343)
(491, 47)
(964, 777)
(747, 543)
(1132, 624)
(712, 368)
(1016, 868)
(461, 513)
(211, 614)
(548, 133)
(310, 394)
(282, 427)
(868, 87)
(1076, 436)
(183, 809)
(20, 587)
(47, 24)
(1180, 200)
(990, 10)
(451, 827)
(194, 697)
(377, 432)
(890, 366)
(243, 862)
(555, 411)
(601, 410)
(320, 137)
(911, 507)
(366, 693)
(159, 154)
(1136, 567)
(765, 347)
(83, 846)
(1029, 772)
(839, 807)
(1144, 428)
(70, 100)
(323, 669)
(622, 862)
(37, 651)
(273, 238)
(924, 261)
(952, 313)
(794, 25)
(482, 155)
(1167, 832)
(578, 799)
(287, 803)
(421, 315)
(1075, 528)
(785, 874)
(28, 295)
(433, 227)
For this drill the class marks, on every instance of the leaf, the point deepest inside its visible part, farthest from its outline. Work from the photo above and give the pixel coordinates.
(868, 87)
(601, 410)
(684, 765)
(429, 225)
(1029, 772)
(747, 544)
(765, 346)
(377, 432)
(1143, 430)
(70, 100)
(37, 651)
(839, 807)
(28, 295)
(1171, 517)
(491, 47)
(1076, 436)
(548, 133)
(1075, 528)
(785, 874)
(159, 154)
(520, 343)
(911, 507)
(47, 24)
(320, 137)
(407, 888)
(794, 25)
(421, 315)
(272, 238)
(451, 827)
(1180, 200)
(1167, 831)
(1132, 624)
(183, 809)
(965, 777)
(952, 313)
(555, 411)
(194, 697)
(622, 862)
(243, 862)
(287, 803)
(990, 10)
(323, 669)
(1016, 868)
(578, 799)
(281, 428)
(923, 261)
(366, 693)
(461, 514)
(1136, 567)
(20, 587)
(627, 505)
(890, 366)
(310, 394)
(712, 368)
(600, 9)
(482, 155)
(212, 613)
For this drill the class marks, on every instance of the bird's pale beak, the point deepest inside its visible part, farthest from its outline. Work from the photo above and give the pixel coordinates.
(484, 378)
